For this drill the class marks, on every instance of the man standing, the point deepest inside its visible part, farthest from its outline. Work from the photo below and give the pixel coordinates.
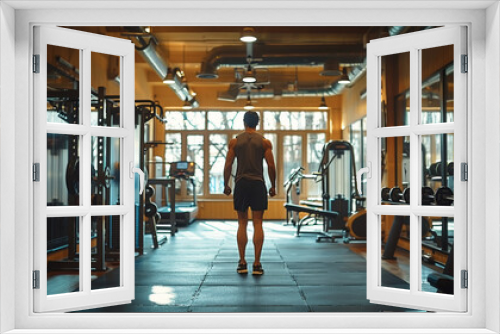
(250, 149)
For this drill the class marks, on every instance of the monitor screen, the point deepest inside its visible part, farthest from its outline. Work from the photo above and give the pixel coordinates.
(182, 165)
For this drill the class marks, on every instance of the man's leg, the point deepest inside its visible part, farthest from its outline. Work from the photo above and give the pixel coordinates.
(241, 235)
(258, 234)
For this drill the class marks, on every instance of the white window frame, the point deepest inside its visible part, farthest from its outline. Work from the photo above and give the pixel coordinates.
(482, 316)
(85, 44)
(414, 44)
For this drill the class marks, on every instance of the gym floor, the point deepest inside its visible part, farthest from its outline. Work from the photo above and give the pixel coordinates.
(195, 271)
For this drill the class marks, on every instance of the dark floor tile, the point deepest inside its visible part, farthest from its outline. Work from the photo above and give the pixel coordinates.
(141, 309)
(167, 279)
(228, 268)
(249, 309)
(248, 296)
(332, 279)
(357, 308)
(248, 280)
(163, 295)
(160, 267)
(340, 267)
(335, 296)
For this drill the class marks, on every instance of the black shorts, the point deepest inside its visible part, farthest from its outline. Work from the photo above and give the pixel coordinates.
(250, 193)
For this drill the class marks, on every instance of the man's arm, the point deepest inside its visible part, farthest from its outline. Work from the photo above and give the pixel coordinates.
(271, 167)
(229, 166)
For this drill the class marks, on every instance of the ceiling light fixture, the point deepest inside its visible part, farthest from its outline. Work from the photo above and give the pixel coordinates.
(248, 105)
(323, 105)
(187, 105)
(249, 76)
(248, 36)
(344, 79)
(169, 79)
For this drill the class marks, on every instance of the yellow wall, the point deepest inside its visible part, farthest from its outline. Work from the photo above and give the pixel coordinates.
(223, 209)
(354, 108)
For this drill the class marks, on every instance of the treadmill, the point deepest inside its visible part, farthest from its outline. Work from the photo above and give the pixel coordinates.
(185, 211)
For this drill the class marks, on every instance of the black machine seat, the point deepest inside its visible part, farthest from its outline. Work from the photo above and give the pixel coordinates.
(443, 282)
(311, 210)
(316, 212)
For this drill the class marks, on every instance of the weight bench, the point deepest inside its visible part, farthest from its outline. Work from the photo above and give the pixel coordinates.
(313, 211)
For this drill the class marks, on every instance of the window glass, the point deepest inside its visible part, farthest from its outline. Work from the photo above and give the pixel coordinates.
(225, 120)
(105, 170)
(395, 80)
(196, 153)
(292, 154)
(185, 120)
(173, 148)
(63, 81)
(395, 169)
(315, 144)
(295, 120)
(438, 87)
(217, 157)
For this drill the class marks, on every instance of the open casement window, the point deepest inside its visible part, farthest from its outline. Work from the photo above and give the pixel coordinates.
(83, 170)
(418, 141)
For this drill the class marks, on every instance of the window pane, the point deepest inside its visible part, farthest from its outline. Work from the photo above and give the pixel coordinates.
(395, 80)
(273, 139)
(357, 142)
(63, 82)
(196, 153)
(395, 160)
(173, 148)
(105, 171)
(292, 154)
(435, 88)
(438, 173)
(297, 120)
(315, 144)
(185, 120)
(106, 243)
(395, 274)
(437, 232)
(217, 157)
(105, 112)
(226, 120)
(63, 260)
(63, 170)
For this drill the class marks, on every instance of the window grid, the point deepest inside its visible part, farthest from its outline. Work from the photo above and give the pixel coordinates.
(207, 131)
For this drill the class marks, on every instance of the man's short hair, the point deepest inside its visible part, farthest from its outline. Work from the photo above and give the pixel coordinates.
(251, 119)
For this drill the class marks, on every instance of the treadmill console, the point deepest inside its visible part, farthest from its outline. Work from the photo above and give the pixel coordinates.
(183, 169)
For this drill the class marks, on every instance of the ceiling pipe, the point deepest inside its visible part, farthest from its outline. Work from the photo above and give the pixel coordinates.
(335, 88)
(277, 56)
(147, 49)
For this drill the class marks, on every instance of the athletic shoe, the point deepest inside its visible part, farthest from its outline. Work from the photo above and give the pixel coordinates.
(257, 269)
(242, 268)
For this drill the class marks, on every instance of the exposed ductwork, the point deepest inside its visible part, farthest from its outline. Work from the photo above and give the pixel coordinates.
(350, 55)
(276, 56)
(335, 88)
(147, 50)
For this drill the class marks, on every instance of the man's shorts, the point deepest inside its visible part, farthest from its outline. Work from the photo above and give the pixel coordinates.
(250, 193)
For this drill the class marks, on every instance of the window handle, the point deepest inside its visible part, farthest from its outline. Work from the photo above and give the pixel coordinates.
(366, 170)
(135, 170)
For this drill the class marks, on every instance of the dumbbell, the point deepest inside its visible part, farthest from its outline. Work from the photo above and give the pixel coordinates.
(451, 168)
(436, 169)
(444, 196)
(395, 195)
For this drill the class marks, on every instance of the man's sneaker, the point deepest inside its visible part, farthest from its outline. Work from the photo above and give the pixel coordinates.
(257, 269)
(242, 268)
